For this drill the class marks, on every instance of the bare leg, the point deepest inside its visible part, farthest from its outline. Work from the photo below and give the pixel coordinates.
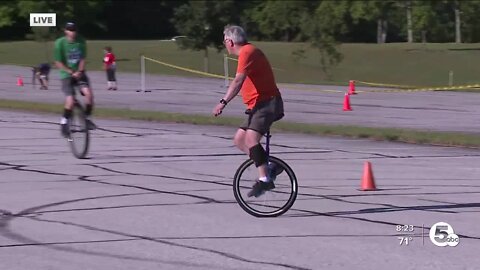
(245, 140)
(239, 141)
(87, 92)
(69, 102)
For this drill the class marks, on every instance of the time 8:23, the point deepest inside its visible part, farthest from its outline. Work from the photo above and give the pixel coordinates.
(404, 228)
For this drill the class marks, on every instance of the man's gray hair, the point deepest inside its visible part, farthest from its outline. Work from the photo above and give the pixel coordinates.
(236, 34)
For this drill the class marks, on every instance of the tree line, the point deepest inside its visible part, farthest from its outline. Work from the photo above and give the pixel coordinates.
(322, 23)
(273, 20)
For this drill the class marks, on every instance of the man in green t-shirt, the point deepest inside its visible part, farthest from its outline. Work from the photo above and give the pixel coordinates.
(70, 53)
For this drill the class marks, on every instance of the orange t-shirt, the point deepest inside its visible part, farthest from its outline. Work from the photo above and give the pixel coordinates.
(260, 83)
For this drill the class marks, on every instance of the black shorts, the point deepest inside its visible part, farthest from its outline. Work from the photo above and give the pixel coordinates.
(69, 84)
(262, 116)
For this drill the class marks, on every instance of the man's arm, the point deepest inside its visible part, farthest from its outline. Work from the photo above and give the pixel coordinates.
(232, 91)
(81, 65)
(62, 66)
(234, 87)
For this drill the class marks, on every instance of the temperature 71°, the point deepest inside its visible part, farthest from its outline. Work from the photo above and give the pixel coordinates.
(405, 240)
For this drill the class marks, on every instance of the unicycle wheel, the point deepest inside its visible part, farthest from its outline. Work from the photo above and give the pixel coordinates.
(272, 203)
(79, 138)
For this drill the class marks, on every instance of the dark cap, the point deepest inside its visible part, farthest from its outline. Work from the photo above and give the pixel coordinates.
(70, 26)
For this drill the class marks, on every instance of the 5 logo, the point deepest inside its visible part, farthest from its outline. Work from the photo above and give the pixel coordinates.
(442, 235)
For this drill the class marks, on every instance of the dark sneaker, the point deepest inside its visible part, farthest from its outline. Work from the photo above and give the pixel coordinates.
(260, 187)
(65, 130)
(90, 125)
(273, 171)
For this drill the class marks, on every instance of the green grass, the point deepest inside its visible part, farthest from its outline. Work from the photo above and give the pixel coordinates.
(386, 134)
(394, 63)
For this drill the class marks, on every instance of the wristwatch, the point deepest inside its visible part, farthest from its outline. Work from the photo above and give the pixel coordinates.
(223, 101)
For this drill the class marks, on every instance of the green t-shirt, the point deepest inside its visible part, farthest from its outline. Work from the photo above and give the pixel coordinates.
(70, 53)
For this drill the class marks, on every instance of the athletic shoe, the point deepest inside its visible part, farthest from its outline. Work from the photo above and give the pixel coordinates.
(260, 187)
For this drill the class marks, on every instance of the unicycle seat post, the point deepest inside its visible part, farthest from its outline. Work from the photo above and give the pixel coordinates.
(267, 143)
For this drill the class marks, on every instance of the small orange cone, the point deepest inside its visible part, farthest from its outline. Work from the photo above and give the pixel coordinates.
(20, 81)
(346, 103)
(351, 88)
(368, 183)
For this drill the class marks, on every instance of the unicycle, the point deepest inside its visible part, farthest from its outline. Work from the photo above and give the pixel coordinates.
(274, 202)
(79, 138)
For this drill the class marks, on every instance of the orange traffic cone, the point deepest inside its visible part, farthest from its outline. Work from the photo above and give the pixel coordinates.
(368, 183)
(346, 103)
(351, 88)
(20, 81)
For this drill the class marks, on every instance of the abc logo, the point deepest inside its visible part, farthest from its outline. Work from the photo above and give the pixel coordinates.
(442, 235)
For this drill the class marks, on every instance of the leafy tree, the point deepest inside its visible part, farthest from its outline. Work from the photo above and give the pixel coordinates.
(145, 20)
(423, 17)
(203, 22)
(25, 8)
(374, 10)
(280, 20)
(7, 14)
(447, 17)
(322, 29)
(83, 13)
(287, 20)
(470, 21)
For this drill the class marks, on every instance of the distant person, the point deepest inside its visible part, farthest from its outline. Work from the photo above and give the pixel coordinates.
(41, 73)
(70, 53)
(109, 66)
(255, 80)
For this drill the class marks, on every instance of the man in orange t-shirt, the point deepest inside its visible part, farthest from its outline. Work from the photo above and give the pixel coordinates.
(260, 94)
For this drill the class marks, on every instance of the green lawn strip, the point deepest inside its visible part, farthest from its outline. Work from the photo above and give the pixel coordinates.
(384, 134)
(422, 64)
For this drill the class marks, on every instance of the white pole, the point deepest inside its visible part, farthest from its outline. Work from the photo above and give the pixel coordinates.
(225, 68)
(142, 70)
(450, 78)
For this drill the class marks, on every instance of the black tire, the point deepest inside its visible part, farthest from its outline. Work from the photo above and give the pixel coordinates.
(274, 202)
(79, 134)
